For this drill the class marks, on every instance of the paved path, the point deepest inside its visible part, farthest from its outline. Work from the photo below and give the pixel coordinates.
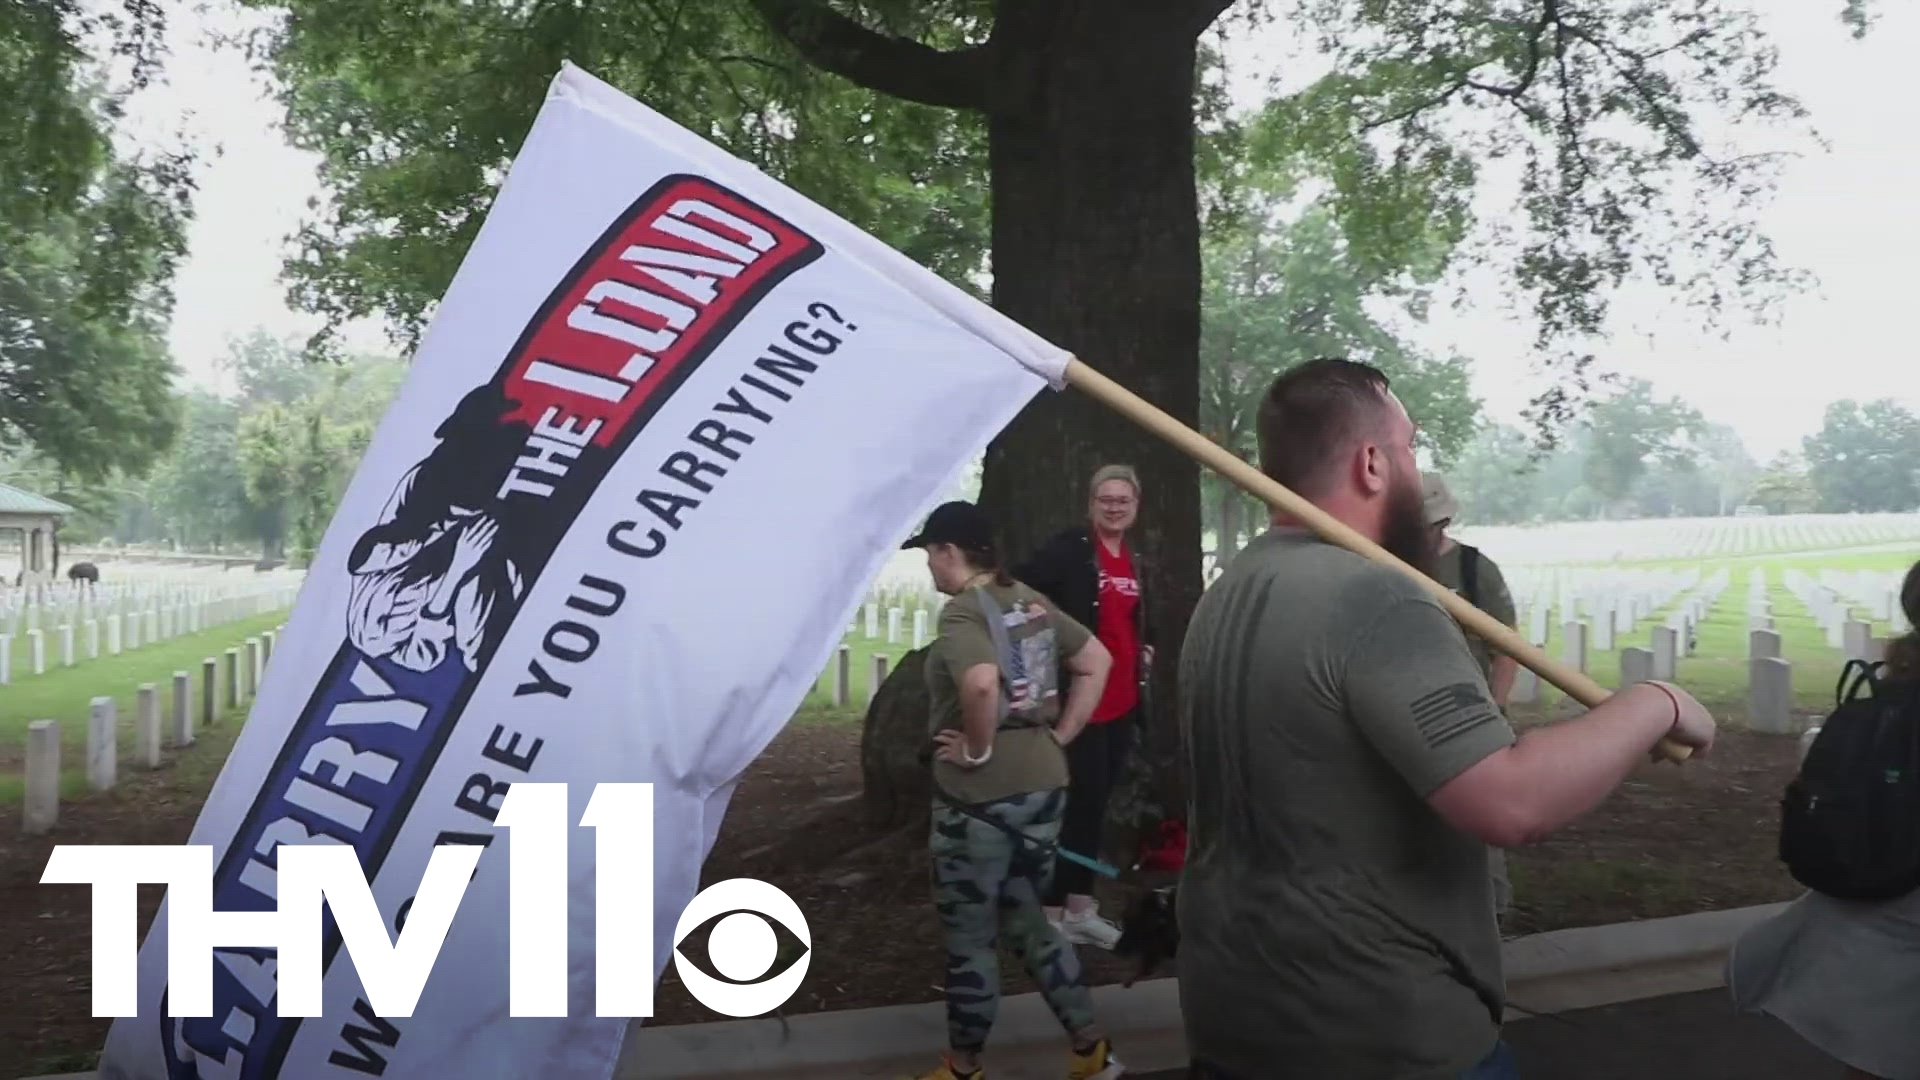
(1686, 1037)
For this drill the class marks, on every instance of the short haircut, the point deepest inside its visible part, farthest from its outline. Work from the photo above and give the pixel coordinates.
(1314, 413)
(1114, 472)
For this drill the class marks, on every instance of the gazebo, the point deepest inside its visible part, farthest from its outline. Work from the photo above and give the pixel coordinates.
(36, 518)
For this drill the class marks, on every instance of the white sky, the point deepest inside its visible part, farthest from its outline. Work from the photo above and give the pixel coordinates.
(1848, 216)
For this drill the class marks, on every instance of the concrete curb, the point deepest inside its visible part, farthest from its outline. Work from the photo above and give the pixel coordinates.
(1577, 968)
(1588, 950)
(1146, 1017)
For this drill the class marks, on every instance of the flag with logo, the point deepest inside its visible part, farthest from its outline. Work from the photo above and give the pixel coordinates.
(669, 420)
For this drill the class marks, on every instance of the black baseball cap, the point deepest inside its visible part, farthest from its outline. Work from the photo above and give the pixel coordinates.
(961, 524)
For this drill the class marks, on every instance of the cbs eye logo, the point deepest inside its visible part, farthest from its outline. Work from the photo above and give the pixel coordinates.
(743, 918)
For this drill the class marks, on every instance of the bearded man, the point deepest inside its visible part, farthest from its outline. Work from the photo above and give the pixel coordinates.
(1347, 770)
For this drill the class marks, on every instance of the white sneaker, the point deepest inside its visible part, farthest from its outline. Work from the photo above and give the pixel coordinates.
(1088, 928)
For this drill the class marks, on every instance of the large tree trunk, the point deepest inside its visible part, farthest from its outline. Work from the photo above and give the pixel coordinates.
(1096, 247)
(896, 750)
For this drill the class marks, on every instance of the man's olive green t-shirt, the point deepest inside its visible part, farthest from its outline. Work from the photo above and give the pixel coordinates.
(1495, 598)
(1025, 759)
(1332, 923)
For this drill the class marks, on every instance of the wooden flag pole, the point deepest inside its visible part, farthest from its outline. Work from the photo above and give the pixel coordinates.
(1502, 637)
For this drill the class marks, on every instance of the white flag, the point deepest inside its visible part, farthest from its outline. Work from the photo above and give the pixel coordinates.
(669, 420)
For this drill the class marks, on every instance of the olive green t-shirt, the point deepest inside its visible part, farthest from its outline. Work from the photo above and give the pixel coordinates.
(1495, 598)
(1025, 759)
(1332, 923)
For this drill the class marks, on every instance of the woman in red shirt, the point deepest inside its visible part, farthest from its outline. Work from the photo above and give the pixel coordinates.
(1094, 574)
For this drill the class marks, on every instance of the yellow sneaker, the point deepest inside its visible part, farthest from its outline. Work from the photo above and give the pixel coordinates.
(946, 1071)
(1098, 1063)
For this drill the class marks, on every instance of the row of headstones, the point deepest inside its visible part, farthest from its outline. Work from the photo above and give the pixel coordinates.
(1832, 609)
(69, 597)
(1853, 637)
(1669, 644)
(1615, 611)
(131, 631)
(1769, 681)
(15, 617)
(134, 596)
(234, 682)
(1878, 593)
(896, 617)
(843, 676)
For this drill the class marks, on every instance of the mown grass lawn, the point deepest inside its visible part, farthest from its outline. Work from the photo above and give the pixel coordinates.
(66, 695)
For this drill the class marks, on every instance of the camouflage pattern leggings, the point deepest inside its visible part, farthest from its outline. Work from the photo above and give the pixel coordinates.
(988, 884)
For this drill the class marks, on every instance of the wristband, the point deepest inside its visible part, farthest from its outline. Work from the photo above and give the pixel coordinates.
(1670, 697)
(971, 761)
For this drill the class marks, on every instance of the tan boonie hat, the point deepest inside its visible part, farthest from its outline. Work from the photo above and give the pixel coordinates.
(1439, 502)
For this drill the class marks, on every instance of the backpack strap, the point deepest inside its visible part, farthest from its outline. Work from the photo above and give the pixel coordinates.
(1868, 677)
(1010, 662)
(1470, 573)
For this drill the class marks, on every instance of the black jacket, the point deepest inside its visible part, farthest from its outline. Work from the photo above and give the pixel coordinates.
(1066, 571)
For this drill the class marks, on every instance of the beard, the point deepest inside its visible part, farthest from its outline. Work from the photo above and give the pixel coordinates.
(1404, 532)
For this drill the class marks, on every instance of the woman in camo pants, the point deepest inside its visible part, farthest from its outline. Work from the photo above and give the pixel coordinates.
(1000, 784)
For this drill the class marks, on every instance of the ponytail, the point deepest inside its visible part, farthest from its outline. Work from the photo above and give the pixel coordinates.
(984, 559)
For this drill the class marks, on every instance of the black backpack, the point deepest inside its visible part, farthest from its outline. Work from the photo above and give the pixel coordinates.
(1470, 574)
(1850, 821)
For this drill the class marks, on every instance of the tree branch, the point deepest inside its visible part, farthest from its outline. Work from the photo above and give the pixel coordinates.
(1632, 67)
(1549, 18)
(898, 67)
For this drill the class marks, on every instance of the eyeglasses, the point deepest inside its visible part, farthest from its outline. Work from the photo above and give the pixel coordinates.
(1115, 502)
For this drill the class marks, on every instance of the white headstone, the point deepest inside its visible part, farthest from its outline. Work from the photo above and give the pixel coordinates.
(1856, 639)
(843, 677)
(103, 733)
(920, 628)
(1574, 645)
(6, 659)
(873, 620)
(146, 725)
(250, 679)
(180, 717)
(41, 804)
(1666, 652)
(37, 652)
(1763, 643)
(1603, 631)
(1770, 696)
(893, 625)
(1636, 666)
(66, 645)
